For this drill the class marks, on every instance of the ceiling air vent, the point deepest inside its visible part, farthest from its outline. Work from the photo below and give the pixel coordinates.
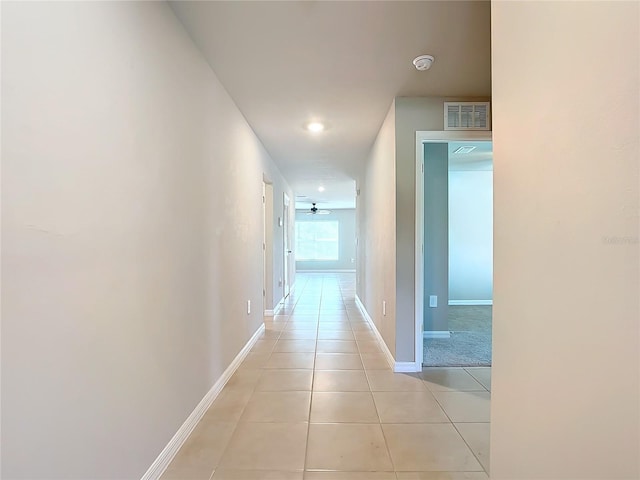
(467, 116)
(464, 150)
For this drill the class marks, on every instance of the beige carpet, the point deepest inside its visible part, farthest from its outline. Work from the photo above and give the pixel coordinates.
(470, 341)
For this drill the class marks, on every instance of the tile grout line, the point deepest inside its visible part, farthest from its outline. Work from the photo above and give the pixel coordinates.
(375, 405)
(253, 391)
(313, 379)
(386, 443)
(476, 379)
(469, 446)
(325, 293)
(237, 422)
(458, 431)
(313, 369)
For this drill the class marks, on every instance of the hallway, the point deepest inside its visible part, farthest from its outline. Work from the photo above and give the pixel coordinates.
(316, 399)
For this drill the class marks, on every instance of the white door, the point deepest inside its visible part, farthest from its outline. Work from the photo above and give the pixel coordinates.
(287, 245)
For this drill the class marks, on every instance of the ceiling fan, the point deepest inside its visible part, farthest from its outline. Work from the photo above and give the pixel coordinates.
(314, 211)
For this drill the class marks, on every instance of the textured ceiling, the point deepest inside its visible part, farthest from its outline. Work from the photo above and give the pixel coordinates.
(286, 63)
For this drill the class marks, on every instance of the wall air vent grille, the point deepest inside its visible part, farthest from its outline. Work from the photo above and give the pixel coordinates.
(467, 116)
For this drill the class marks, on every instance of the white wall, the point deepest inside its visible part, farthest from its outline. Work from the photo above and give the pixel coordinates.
(470, 235)
(412, 114)
(346, 218)
(566, 366)
(375, 206)
(131, 228)
(386, 218)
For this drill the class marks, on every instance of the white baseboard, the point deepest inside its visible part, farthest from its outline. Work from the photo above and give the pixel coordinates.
(387, 353)
(396, 366)
(161, 463)
(437, 334)
(276, 310)
(470, 302)
(279, 307)
(407, 367)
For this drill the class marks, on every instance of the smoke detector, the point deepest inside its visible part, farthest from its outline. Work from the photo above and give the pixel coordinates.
(423, 62)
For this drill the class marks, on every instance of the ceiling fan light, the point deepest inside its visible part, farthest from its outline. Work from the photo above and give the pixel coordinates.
(316, 211)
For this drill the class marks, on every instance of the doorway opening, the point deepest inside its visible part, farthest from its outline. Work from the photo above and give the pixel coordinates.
(267, 247)
(454, 249)
(325, 237)
(286, 238)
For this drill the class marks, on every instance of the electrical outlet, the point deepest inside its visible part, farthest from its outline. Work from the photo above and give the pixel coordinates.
(248, 307)
(279, 282)
(384, 308)
(433, 301)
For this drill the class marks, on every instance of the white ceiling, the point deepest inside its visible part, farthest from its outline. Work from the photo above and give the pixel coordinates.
(287, 63)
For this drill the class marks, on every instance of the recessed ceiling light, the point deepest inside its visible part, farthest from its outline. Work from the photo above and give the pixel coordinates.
(321, 188)
(315, 127)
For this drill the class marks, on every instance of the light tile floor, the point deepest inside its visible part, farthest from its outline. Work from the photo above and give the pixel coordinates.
(315, 399)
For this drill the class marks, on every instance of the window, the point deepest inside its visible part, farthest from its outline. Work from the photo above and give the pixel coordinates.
(317, 240)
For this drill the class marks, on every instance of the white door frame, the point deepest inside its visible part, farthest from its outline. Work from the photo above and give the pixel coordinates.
(286, 243)
(421, 139)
